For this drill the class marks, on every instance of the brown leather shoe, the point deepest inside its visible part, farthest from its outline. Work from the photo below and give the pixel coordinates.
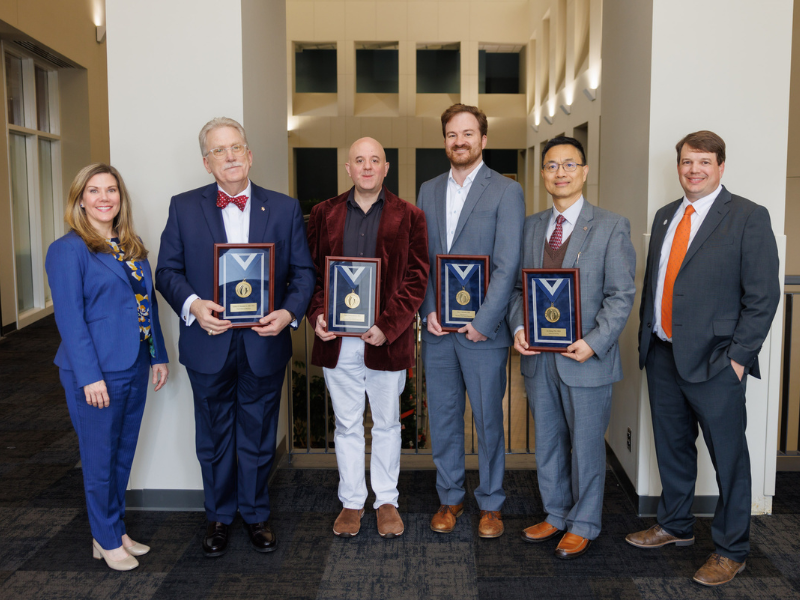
(572, 546)
(445, 518)
(718, 570)
(655, 537)
(348, 523)
(389, 522)
(541, 532)
(491, 525)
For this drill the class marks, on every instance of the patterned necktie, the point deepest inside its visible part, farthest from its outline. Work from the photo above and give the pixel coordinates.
(223, 200)
(680, 243)
(558, 232)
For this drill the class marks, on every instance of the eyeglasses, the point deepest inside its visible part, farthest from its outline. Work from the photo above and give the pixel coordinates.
(569, 167)
(221, 153)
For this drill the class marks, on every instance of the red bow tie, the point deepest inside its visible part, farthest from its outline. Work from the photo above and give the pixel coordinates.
(223, 200)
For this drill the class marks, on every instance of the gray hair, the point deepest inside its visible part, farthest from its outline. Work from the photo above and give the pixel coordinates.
(215, 123)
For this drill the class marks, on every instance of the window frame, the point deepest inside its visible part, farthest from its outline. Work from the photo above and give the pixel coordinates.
(32, 135)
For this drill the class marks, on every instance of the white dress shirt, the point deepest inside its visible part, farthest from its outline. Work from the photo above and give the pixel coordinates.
(701, 208)
(456, 196)
(237, 230)
(570, 218)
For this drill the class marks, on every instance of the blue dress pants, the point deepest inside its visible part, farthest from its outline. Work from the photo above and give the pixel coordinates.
(107, 439)
(236, 423)
(451, 369)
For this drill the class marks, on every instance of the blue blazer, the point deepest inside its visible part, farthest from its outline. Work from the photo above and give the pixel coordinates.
(96, 310)
(186, 267)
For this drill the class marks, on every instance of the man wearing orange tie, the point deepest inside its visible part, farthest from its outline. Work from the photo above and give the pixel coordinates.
(711, 289)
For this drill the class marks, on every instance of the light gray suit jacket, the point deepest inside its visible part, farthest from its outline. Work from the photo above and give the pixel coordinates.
(490, 224)
(607, 264)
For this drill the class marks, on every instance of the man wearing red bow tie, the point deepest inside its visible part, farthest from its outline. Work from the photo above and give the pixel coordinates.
(236, 374)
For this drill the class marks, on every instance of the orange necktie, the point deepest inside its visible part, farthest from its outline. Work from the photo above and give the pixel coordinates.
(680, 243)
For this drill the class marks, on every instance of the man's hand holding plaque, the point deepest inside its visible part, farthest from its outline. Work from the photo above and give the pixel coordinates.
(553, 312)
(352, 296)
(244, 276)
(461, 284)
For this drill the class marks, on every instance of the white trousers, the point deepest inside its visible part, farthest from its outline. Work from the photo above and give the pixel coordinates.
(348, 383)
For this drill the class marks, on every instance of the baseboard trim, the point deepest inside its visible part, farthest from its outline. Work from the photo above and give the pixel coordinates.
(647, 506)
(183, 500)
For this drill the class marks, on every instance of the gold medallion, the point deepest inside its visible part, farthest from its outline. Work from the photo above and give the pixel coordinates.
(352, 300)
(243, 289)
(552, 314)
(463, 297)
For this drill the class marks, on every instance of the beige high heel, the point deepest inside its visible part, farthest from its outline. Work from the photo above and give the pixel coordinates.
(137, 549)
(126, 564)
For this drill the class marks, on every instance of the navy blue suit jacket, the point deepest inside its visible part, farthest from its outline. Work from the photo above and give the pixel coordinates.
(96, 310)
(186, 267)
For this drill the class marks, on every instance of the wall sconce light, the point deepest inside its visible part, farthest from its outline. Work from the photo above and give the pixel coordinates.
(566, 108)
(549, 119)
(535, 127)
(590, 94)
(101, 33)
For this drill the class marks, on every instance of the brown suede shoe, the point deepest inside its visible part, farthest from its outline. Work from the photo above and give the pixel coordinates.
(541, 532)
(491, 525)
(348, 523)
(572, 546)
(445, 518)
(655, 537)
(389, 522)
(718, 570)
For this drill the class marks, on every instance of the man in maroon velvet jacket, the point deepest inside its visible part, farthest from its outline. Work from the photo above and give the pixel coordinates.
(369, 221)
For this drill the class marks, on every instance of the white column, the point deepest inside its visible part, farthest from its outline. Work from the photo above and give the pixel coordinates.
(172, 66)
(671, 67)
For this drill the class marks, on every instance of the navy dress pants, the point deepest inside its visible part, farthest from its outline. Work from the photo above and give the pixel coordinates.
(236, 421)
(107, 438)
(718, 406)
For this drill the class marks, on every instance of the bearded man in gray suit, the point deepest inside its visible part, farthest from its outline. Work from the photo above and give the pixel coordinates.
(570, 393)
(470, 210)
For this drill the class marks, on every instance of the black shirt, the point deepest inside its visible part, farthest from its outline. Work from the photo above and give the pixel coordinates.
(360, 229)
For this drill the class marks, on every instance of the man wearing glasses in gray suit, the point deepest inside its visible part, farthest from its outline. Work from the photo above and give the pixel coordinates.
(570, 392)
(471, 210)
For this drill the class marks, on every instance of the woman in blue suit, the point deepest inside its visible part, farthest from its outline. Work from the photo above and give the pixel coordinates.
(107, 316)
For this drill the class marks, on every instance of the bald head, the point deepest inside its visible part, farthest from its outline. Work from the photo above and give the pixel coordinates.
(367, 166)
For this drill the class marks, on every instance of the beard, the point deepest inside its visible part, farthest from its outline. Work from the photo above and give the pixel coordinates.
(461, 160)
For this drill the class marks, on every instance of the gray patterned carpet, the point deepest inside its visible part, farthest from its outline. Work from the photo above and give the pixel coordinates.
(45, 547)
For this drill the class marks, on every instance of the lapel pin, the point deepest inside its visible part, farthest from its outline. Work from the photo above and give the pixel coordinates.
(262, 208)
(665, 221)
(585, 228)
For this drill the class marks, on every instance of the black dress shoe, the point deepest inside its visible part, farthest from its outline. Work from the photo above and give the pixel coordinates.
(216, 540)
(261, 536)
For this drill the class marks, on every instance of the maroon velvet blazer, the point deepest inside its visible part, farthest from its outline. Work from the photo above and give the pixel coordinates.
(403, 249)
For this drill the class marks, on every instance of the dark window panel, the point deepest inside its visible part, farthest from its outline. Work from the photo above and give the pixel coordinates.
(392, 180)
(315, 71)
(498, 72)
(430, 163)
(317, 172)
(438, 71)
(377, 71)
(502, 161)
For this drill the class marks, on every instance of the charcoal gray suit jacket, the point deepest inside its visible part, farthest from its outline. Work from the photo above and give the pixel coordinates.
(726, 292)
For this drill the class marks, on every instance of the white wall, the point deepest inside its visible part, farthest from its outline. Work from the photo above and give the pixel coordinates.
(695, 80)
(173, 65)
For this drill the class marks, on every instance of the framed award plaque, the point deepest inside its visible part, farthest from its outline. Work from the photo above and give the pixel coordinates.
(552, 308)
(352, 294)
(244, 276)
(461, 285)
